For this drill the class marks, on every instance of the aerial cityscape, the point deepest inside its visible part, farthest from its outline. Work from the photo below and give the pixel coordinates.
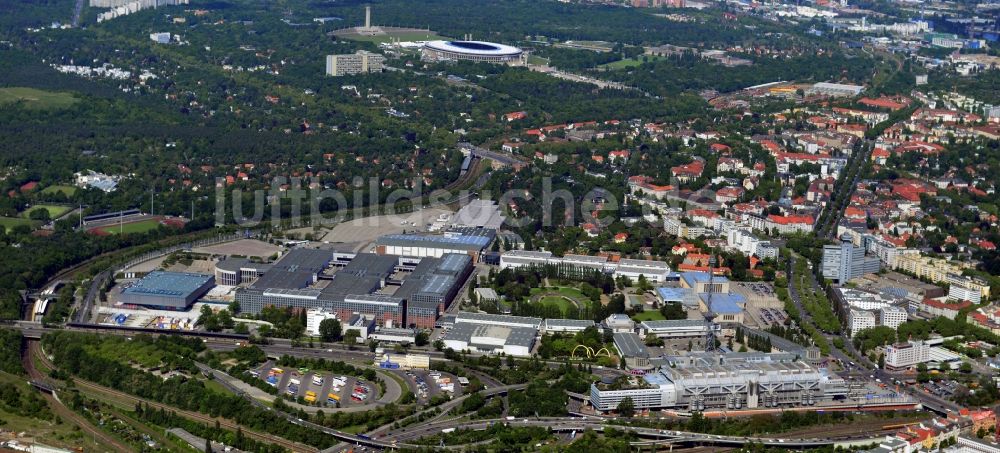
(683, 226)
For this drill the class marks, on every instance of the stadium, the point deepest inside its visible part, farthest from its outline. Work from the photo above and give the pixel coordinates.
(479, 51)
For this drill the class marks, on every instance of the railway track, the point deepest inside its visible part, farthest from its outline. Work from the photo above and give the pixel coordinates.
(62, 410)
(195, 416)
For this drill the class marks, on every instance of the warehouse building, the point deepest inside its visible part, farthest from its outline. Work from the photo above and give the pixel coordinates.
(683, 296)
(834, 89)
(713, 383)
(479, 214)
(237, 271)
(631, 349)
(676, 329)
(653, 271)
(167, 290)
(567, 325)
(498, 320)
(432, 286)
(491, 339)
(360, 287)
(468, 241)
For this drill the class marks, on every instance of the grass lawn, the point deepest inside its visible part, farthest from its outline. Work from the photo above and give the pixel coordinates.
(572, 293)
(10, 222)
(558, 301)
(535, 59)
(36, 99)
(628, 62)
(54, 210)
(69, 191)
(649, 315)
(134, 227)
(216, 387)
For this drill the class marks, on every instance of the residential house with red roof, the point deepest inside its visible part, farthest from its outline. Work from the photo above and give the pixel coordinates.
(688, 172)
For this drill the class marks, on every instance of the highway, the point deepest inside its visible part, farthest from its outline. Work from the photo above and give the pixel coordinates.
(483, 153)
(579, 424)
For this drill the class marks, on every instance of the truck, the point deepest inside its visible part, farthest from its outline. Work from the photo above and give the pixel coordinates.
(448, 430)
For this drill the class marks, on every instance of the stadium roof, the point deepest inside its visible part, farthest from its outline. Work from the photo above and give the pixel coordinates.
(168, 284)
(474, 48)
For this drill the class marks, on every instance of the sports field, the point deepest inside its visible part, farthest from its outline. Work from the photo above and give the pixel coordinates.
(141, 226)
(8, 223)
(69, 191)
(54, 210)
(36, 99)
(134, 227)
(401, 34)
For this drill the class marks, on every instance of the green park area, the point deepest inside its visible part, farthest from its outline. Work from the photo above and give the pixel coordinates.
(68, 191)
(54, 210)
(630, 62)
(36, 99)
(562, 297)
(8, 223)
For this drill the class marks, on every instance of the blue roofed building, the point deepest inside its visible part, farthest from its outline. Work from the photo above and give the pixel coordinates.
(702, 282)
(167, 290)
(728, 308)
(683, 296)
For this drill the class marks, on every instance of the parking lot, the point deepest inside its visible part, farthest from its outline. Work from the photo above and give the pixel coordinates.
(944, 388)
(318, 387)
(432, 383)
